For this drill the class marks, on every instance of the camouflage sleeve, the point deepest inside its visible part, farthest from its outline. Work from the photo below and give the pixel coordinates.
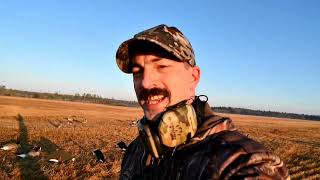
(239, 157)
(256, 166)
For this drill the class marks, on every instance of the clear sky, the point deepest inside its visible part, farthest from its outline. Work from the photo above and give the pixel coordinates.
(253, 54)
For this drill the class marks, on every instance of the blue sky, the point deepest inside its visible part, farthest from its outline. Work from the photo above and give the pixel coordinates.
(253, 54)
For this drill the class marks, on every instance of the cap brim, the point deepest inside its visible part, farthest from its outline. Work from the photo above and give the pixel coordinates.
(123, 56)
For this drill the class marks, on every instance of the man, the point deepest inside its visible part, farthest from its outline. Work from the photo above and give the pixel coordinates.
(179, 135)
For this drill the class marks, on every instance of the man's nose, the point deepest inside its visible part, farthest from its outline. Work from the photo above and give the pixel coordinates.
(149, 79)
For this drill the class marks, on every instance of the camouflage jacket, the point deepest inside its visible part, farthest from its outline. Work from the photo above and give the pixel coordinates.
(218, 151)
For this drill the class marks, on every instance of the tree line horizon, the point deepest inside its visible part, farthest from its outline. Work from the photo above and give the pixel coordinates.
(94, 98)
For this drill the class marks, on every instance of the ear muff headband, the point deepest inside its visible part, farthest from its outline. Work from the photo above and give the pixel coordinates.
(150, 138)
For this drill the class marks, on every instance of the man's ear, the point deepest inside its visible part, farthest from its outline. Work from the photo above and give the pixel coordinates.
(195, 72)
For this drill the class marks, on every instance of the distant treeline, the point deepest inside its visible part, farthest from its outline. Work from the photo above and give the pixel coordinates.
(85, 97)
(93, 98)
(231, 110)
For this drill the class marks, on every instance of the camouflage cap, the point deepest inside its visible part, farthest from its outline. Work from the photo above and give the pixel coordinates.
(168, 38)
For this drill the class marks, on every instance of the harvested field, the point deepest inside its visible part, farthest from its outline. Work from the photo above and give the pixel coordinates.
(67, 130)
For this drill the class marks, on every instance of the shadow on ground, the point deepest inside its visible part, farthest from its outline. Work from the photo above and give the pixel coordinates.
(29, 167)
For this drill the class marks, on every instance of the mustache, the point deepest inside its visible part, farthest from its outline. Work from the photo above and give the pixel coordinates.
(145, 93)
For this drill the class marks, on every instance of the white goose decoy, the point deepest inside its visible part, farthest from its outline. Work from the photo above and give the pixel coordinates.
(34, 153)
(56, 160)
(134, 123)
(59, 156)
(10, 146)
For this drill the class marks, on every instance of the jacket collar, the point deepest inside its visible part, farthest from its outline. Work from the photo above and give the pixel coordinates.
(211, 124)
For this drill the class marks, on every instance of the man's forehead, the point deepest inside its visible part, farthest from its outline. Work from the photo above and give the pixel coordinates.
(149, 58)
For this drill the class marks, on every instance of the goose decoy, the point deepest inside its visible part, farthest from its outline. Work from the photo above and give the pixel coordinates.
(134, 123)
(122, 146)
(54, 160)
(10, 146)
(99, 155)
(58, 155)
(33, 153)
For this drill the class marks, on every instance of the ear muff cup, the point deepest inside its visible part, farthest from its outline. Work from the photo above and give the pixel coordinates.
(177, 126)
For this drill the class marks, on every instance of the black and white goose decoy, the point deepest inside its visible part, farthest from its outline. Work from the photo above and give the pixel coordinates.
(99, 155)
(122, 146)
(33, 153)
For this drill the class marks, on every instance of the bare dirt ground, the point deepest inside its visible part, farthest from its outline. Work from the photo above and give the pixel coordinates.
(67, 130)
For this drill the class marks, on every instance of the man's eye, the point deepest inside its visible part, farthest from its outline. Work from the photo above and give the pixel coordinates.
(163, 66)
(136, 69)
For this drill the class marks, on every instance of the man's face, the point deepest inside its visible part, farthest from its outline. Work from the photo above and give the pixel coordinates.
(160, 82)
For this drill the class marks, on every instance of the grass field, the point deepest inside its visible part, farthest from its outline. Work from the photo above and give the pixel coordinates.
(67, 130)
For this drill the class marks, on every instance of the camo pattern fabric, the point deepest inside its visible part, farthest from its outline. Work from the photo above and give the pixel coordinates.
(169, 38)
(177, 125)
(218, 151)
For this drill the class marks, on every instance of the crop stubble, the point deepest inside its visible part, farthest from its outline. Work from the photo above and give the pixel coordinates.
(69, 130)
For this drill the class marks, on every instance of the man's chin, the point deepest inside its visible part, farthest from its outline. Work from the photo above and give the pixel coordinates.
(152, 116)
